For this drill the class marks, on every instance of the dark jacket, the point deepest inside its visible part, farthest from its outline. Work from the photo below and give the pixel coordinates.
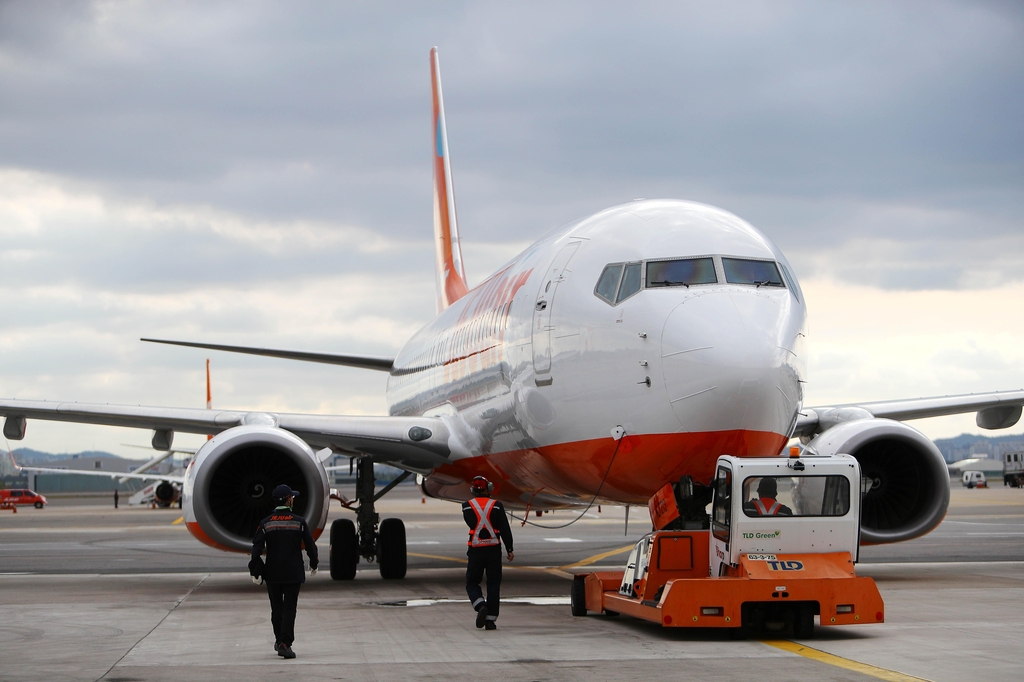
(284, 534)
(497, 517)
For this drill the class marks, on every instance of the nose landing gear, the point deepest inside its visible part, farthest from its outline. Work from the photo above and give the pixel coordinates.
(374, 540)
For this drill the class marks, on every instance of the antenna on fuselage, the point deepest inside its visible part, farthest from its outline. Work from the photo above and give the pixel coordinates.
(448, 267)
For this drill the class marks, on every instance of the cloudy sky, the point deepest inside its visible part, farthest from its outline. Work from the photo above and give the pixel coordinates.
(259, 173)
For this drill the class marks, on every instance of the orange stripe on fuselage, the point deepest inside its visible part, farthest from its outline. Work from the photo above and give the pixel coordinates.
(643, 464)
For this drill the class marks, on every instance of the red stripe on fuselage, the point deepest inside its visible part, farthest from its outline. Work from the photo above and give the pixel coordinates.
(571, 473)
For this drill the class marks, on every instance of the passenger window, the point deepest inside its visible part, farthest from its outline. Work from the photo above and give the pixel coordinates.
(630, 282)
(609, 282)
(757, 272)
(683, 272)
(721, 513)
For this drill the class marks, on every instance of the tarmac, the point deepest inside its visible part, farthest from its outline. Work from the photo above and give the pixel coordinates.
(88, 593)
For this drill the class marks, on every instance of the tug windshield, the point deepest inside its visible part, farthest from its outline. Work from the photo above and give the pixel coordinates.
(796, 496)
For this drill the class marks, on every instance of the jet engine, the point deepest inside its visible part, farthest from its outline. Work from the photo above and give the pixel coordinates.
(905, 478)
(165, 494)
(228, 484)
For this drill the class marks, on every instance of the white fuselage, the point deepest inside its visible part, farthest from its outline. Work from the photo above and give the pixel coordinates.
(536, 369)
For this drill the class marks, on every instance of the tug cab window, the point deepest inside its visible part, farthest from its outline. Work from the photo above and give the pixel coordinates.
(681, 272)
(796, 496)
(756, 272)
(721, 511)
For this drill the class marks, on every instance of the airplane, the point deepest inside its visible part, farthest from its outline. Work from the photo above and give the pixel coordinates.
(617, 353)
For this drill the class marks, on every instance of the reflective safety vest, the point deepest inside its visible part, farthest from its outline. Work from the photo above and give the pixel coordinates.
(483, 522)
(773, 510)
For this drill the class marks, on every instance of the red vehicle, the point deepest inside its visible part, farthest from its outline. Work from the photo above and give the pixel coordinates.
(18, 496)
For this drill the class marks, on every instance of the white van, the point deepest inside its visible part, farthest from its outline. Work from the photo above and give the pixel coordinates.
(974, 479)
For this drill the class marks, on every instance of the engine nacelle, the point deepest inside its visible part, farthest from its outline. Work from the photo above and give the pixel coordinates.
(228, 484)
(909, 480)
(165, 494)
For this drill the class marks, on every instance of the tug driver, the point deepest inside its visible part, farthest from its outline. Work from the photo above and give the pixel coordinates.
(488, 528)
(765, 504)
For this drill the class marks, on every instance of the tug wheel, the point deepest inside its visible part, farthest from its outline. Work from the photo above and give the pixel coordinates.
(578, 596)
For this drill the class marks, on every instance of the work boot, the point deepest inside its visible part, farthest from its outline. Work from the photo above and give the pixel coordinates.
(285, 651)
(481, 615)
(490, 625)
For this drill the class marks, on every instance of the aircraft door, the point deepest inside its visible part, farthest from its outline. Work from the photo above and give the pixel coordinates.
(542, 321)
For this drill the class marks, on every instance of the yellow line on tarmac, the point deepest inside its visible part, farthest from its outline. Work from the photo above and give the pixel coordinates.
(180, 519)
(437, 556)
(597, 557)
(840, 662)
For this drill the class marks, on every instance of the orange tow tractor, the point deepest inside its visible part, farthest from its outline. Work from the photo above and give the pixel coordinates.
(778, 549)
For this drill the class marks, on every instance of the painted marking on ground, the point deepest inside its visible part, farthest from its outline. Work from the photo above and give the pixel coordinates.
(437, 556)
(840, 662)
(597, 557)
(177, 521)
(562, 540)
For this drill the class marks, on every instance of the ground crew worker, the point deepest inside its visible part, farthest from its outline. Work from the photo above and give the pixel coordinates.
(284, 534)
(488, 528)
(766, 504)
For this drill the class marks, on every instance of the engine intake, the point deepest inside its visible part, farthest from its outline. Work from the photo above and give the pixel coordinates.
(227, 487)
(905, 475)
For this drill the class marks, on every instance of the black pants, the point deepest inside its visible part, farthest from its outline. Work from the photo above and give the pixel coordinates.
(484, 559)
(284, 599)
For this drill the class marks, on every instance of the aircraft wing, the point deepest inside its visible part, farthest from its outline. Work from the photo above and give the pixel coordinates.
(108, 474)
(413, 443)
(998, 410)
(376, 362)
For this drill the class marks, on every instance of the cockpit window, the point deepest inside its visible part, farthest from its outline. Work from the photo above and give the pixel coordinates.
(609, 282)
(757, 272)
(682, 272)
(630, 282)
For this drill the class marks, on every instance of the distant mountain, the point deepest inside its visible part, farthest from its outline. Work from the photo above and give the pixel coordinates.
(30, 457)
(968, 445)
(89, 459)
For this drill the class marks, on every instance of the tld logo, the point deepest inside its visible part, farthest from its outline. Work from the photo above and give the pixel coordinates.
(785, 565)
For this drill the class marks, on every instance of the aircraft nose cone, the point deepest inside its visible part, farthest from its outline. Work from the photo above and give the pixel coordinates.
(727, 363)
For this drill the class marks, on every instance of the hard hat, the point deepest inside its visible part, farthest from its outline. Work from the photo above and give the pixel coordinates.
(480, 484)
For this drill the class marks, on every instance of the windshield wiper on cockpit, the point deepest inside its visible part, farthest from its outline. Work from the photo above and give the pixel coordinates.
(669, 283)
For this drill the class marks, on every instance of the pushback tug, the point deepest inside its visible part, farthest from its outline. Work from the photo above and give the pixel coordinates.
(778, 549)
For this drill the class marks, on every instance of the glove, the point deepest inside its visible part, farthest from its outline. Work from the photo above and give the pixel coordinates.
(256, 580)
(312, 573)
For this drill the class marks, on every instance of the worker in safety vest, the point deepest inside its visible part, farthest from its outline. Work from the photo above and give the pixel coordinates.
(488, 528)
(766, 504)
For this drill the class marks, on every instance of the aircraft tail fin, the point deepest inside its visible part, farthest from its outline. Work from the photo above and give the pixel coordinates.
(451, 276)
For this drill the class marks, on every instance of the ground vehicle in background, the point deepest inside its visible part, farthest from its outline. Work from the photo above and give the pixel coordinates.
(1013, 469)
(974, 479)
(21, 496)
(779, 549)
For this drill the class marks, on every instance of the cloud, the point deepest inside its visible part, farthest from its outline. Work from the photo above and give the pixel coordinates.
(261, 174)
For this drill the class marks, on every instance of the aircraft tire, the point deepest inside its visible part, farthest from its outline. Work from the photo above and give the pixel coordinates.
(344, 550)
(391, 550)
(578, 596)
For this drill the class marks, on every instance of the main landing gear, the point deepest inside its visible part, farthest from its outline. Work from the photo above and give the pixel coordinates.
(383, 541)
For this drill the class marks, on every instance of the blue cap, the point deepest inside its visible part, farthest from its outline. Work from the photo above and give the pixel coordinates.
(282, 491)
